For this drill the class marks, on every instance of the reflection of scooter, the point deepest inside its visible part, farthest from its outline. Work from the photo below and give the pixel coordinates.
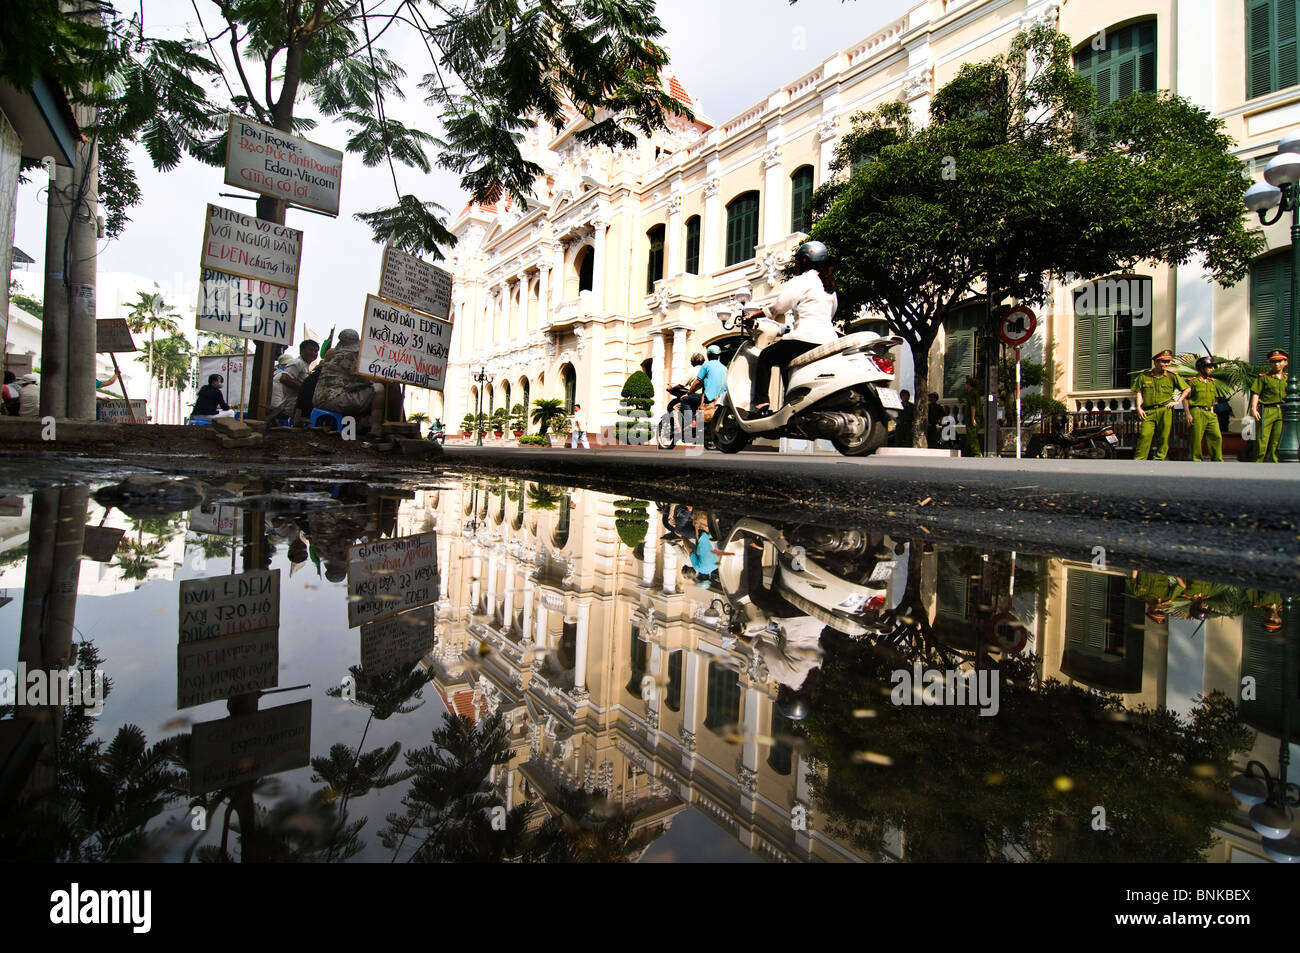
(838, 391)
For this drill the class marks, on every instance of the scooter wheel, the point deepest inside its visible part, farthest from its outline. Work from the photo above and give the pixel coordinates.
(727, 435)
(666, 433)
(871, 440)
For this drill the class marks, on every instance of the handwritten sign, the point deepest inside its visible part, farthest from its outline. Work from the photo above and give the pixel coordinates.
(226, 667)
(101, 543)
(116, 411)
(231, 369)
(241, 245)
(401, 345)
(216, 520)
(226, 605)
(230, 751)
(265, 160)
(415, 283)
(113, 335)
(397, 642)
(246, 308)
(390, 576)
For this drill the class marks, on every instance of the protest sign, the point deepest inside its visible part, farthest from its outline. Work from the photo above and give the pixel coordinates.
(390, 576)
(231, 369)
(120, 411)
(239, 244)
(415, 283)
(226, 667)
(265, 160)
(246, 307)
(224, 605)
(230, 751)
(398, 344)
(101, 542)
(113, 335)
(396, 642)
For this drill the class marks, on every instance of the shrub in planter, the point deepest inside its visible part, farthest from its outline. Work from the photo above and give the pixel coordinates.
(467, 425)
(638, 397)
(534, 440)
(499, 418)
(631, 521)
(518, 419)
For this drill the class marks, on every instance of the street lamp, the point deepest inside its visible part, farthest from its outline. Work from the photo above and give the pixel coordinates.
(1280, 193)
(481, 378)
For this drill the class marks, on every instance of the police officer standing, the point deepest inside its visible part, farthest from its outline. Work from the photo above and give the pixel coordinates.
(1266, 396)
(1203, 394)
(1158, 390)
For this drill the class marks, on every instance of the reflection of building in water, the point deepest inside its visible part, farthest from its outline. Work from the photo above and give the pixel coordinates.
(613, 679)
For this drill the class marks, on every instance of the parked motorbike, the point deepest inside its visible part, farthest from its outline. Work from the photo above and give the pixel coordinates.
(670, 430)
(1087, 443)
(838, 392)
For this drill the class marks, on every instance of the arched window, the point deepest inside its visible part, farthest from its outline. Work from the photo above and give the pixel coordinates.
(523, 386)
(587, 269)
(570, 377)
(1122, 62)
(801, 190)
(1270, 304)
(506, 397)
(693, 245)
(1272, 54)
(1112, 332)
(655, 264)
(742, 228)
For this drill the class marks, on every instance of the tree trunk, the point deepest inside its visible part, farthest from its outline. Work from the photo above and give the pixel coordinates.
(921, 397)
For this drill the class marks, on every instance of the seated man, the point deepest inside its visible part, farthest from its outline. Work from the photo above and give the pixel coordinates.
(341, 390)
(209, 399)
(289, 377)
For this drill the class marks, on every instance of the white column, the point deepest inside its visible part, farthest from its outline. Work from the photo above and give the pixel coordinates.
(673, 238)
(528, 610)
(773, 199)
(749, 728)
(599, 265)
(508, 610)
(541, 636)
(580, 645)
(691, 691)
(709, 243)
(476, 568)
(543, 299)
(827, 132)
(561, 268)
(650, 548)
(657, 365)
(679, 355)
(491, 582)
(670, 569)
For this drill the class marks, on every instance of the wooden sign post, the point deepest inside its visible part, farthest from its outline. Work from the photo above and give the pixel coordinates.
(113, 335)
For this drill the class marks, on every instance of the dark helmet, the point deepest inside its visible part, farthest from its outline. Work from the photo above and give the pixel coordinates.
(1206, 361)
(814, 253)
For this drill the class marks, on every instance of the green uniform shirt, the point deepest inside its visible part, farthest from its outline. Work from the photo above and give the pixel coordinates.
(1271, 390)
(1204, 393)
(1149, 585)
(974, 402)
(1156, 390)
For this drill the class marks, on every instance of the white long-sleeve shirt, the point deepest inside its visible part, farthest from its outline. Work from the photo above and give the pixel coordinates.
(812, 306)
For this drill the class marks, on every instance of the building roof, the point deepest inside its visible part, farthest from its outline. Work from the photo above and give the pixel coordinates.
(22, 258)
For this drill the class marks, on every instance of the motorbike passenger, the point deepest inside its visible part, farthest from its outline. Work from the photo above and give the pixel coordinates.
(810, 297)
(688, 405)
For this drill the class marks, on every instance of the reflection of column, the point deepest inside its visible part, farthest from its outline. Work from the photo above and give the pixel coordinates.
(528, 610)
(691, 692)
(509, 611)
(476, 587)
(679, 355)
(670, 569)
(749, 728)
(580, 645)
(541, 636)
(492, 585)
(598, 266)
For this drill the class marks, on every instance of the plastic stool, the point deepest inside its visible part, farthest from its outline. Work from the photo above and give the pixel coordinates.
(198, 423)
(318, 414)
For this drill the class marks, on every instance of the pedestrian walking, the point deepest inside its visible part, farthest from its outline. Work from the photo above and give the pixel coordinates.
(1203, 422)
(1266, 396)
(971, 407)
(1157, 390)
(934, 417)
(579, 428)
(902, 435)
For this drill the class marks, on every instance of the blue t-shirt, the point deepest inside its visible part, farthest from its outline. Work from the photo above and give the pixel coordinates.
(702, 559)
(714, 375)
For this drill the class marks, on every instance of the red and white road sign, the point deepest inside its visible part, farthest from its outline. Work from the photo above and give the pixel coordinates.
(1017, 326)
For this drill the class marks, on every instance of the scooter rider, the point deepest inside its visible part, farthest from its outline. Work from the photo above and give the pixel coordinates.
(810, 295)
(689, 403)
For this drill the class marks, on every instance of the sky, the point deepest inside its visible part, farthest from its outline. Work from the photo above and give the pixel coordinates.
(728, 53)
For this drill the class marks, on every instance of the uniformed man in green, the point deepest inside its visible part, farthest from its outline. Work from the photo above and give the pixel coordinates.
(1266, 396)
(1157, 391)
(972, 404)
(1203, 394)
(1157, 590)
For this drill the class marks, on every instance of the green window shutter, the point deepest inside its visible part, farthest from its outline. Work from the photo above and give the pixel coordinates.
(1263, 657)
(958, 361)
(1259, 48)
(673, 697)
(1270, 304)
(742, 228)
(655, 264)
(1285, 26)
(951, 585)
(1126, 65)
(637, 657)
(1087, 595)
(1141, 353)
(1084, 346)
(801, 190)
(722, 705)
(693, 245)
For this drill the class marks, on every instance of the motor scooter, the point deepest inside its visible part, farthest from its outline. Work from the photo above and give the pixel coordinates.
(672, 429)
(838, 391)
(1089, 443)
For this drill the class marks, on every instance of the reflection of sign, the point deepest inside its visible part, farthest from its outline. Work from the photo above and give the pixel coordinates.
(398, 344)
(390, 576)
(246, 308)
(231, 369)
(225, 605)
(1008, 633)
(222, 521)
(113, 335)
(266, 160)
(397, 642)
(251, 248)
(101, 543)
(233, 750)
(226, 667)
(116, 411)
(1017, 326)
(415, 283)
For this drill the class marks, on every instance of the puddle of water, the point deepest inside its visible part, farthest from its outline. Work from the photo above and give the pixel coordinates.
(631, 680)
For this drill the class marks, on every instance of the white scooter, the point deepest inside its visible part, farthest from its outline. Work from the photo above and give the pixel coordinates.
(838, 392)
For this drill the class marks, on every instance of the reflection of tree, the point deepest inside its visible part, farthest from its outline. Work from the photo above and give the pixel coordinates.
(1024, 783)
(577, 829)
(544, 496)
(347, 775)
(209, 545)
(291, 831)
(104, 795)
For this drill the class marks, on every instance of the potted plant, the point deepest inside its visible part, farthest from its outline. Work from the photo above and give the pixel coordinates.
(518, 419)
(546, 410)
(638, 396)
(499, 418)
(467, 426)
(419, 419)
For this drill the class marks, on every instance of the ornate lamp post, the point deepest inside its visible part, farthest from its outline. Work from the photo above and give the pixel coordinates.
(481, 378)
(1280, 193)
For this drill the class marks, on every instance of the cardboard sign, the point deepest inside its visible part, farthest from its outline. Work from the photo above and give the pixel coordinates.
(397, 642)
(226, 605)
(113, 336)
(265, 160)
(116, 411)
(222, 521)
(246, 308)
(415, 283)
(398, 344)
(101, 543)
(390, 576)
(226, 667)
(242, 245)
(242, 748)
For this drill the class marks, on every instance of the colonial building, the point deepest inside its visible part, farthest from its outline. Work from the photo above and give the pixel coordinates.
(623, 260)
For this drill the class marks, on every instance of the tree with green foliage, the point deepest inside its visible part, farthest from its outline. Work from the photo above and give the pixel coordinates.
(546, 411)
(638, 397)
(1021, 175)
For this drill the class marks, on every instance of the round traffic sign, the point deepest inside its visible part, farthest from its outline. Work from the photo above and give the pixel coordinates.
(1017, 326)
(1008, 633)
